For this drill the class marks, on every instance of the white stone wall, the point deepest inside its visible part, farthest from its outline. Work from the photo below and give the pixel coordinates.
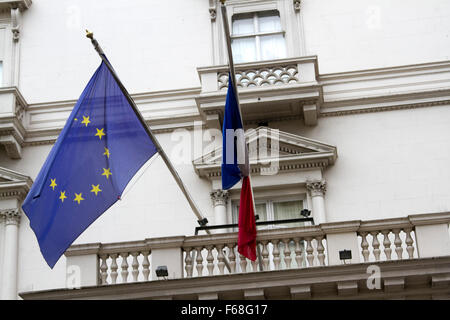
(389, 163)
(363, 34)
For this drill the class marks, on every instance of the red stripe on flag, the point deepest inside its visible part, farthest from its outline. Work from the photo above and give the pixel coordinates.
(247, 223)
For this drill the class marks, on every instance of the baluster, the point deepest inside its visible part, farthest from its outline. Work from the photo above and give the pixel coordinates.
(232, 257)
(364, 245)
(376, 245)
(409, 243)
(145, 265)
(199, 260)
(287, 253)
(387, 244)
(113, 267)
(243, 263)
(309, 251)
(320, 251)
(398, 244)
(210, 259)
(298, 252)
(188, 262)
(255, 265)
(265, 255)
(276, 254)
(135, 266)
(104, 268)
(220, 258)
(124, 267)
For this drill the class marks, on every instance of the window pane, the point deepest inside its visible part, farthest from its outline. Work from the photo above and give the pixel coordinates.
(288, 210)
(273, 47)
(269, 21)
(243, 24)
(261, 210)
(244, 50)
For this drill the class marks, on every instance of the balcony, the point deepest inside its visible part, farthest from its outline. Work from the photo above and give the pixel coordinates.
(412, 256)
(268, 90)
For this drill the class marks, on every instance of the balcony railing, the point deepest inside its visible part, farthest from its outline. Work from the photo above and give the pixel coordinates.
(270, 89)
(416, 236)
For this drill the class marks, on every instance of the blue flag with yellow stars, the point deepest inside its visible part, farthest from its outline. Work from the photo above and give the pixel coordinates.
(102, 146)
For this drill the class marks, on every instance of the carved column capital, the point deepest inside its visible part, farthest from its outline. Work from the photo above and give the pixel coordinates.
(212, 14)
(10, 216)
(316, 188)
(297, 4)
(219, 197)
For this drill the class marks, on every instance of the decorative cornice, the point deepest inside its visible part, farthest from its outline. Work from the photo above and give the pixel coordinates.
(316, 188)
(294, 153)
(14, 184)
(219, 197)
(20, 4)
(372, 109)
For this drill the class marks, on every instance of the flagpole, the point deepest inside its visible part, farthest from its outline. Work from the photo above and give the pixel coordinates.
(161, 152)
(233, 81)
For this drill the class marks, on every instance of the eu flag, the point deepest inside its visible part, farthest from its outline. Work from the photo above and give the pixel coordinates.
(102, 146)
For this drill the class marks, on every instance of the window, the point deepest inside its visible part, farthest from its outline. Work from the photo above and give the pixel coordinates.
(257, 36)
(269, 210)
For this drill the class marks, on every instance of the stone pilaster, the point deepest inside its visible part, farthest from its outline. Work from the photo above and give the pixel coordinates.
(219, 199)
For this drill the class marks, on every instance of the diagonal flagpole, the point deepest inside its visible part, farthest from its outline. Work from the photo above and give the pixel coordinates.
(233, 82)
(161, 151)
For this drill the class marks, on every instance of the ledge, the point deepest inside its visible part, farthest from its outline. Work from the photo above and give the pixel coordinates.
(315, 282)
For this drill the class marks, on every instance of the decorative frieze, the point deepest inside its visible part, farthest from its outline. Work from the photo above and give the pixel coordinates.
(266, 76)
(219, 197)
(316, 188)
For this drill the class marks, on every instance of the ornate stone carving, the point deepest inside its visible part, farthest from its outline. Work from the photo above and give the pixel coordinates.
(213, 10)
(219, 197)
(297, 4)
(15, 21)
(266, 76)
(316, 188)
(212, 13)
(10, 216)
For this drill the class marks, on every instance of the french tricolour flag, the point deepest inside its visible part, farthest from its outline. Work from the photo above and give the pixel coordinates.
(235, 166)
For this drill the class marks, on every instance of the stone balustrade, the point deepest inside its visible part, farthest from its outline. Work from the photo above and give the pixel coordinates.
(412, 237)
(261, 74)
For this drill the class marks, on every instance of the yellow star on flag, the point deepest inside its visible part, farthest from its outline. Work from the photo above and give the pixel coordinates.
(106, 172)
(53, 184)
(96, 189)
(78, 197)
(86, 120)
(107, 153)
(100, 133)
(62, 196)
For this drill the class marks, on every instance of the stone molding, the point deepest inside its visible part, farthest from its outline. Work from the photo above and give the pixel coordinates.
(294, 281)
(295, 153)
(40, 123)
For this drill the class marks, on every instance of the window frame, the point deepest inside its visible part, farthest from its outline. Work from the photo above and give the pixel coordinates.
(268, 200)
(256, 34)
(290, 19)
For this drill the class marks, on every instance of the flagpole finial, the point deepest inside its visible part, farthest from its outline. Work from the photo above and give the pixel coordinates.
(89, 34)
